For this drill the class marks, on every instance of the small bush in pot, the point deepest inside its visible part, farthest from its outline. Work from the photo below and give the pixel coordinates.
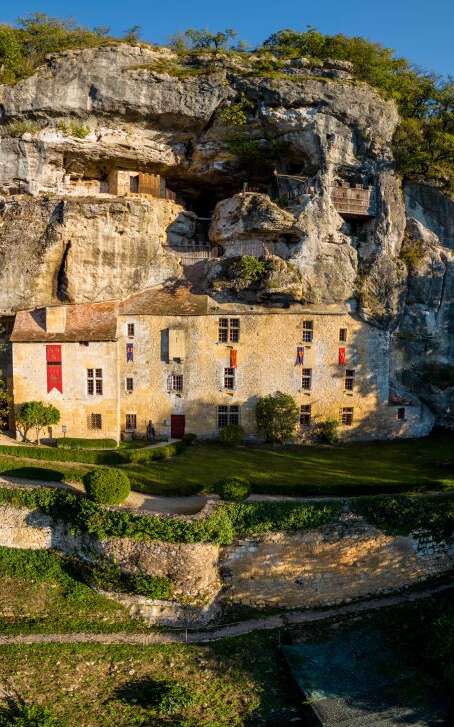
(231, 435)
(107, 486)
(233, 488)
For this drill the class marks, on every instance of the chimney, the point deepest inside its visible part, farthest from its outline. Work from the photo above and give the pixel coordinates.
(56, 319)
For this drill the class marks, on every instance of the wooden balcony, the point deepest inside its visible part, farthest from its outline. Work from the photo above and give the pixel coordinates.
(354, 200)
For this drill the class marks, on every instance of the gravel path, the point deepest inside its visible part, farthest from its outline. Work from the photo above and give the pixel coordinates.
(239, 629)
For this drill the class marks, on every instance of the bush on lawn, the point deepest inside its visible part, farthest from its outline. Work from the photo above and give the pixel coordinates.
(18, 713)
(231, 435)
(77, 443)
(234, 489)
(189, 438)
(327, 431)
(107, 486)
(277, 416)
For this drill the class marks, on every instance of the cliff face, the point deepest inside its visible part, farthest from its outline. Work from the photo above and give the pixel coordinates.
(87, 113)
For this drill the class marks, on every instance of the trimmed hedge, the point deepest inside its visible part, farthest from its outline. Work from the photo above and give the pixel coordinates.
(406, 514)
(107, 486)
(234, 489)
(107, 457)
(226, 523)
(78, 443)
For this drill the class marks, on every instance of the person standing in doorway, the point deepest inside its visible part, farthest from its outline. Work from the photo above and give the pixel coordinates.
(151, 433)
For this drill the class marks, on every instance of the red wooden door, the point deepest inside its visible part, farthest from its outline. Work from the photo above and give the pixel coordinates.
(177, 423)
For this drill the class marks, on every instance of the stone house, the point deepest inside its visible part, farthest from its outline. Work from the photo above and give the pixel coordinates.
(189, 363)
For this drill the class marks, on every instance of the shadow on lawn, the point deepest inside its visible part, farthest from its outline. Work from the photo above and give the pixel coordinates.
(35, 473)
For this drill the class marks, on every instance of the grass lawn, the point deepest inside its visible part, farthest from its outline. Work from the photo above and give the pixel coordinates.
(350, 469)
(37, 594)
(96, 686)
(360, 468)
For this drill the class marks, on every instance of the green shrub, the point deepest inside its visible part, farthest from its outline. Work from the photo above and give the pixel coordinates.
(327, 431)
(107, 486)
(252, 269)
(233, 488)
(108, 576)
(175, 698)
(222, 526)
(19, 128)
(235, 114)
(78, 443)
(231, 435)
(277, 416)
(107, 457)
(78, 131)
(20, 714)
(412, 253)
(405, 514)
(189, 438)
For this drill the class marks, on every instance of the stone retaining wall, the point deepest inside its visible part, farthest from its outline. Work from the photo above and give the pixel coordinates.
(337, 563)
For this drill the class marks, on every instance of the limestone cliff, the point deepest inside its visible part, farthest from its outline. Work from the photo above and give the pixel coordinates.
(272, 189)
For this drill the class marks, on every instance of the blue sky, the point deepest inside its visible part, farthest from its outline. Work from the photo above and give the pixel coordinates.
(421, 30)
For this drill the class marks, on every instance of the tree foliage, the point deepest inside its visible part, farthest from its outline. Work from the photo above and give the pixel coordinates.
(277, 416)
(36, 415)
(203, 40)
(424, 141)
(24, 47)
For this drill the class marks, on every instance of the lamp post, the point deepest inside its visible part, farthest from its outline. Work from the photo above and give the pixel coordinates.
(64, 430)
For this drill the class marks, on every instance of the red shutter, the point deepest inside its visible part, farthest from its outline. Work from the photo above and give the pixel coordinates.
(233, 358)
(342, 356)
(54, 377)
(53, 354)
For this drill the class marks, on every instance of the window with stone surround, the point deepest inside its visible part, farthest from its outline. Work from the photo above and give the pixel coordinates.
(131, 330)
(342, 335)
(306, 379)
(306, 415)
(131, 422)
(95, 421)
(229, 379)
(400, 414)
(94, 382)
(129, 384)
(228, 415)
(229, 330)
(349, 379)
(176, 382)
(308, 331)
(346, 416)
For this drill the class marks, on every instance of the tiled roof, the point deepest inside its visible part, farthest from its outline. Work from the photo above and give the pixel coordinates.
(171, 300)
(84, 322)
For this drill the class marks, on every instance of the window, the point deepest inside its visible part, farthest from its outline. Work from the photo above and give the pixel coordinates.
(131, 422)
(95, 421)
(134, 183)
(305, 415)
(306, 379)
(176, 382)
(342, 335)
(130, 330)
(94, 382)
(346, 416)
(229, 330)
(229, 378)
(228, 415)
(349, 379)
(129, 352)
(129, 384)
(401, 413)
(308, 331)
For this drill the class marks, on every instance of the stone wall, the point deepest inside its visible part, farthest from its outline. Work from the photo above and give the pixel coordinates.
(266, 362)
(337, 563)
(340, 562)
